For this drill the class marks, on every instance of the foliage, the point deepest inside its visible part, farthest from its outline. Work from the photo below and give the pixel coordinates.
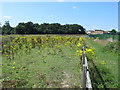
(113, 31)
(104, 66)
(7, 29)
(112, 47)
(90, 52)
(45, 28)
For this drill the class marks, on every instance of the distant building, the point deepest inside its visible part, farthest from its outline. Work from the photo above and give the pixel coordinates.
(98, 32)
(92, 32)
(89, 32)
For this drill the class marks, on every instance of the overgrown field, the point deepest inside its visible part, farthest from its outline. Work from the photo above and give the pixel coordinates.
(41, 61)
(53, 61)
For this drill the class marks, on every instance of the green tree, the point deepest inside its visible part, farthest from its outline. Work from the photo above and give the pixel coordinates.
(36, 28)
(113, 31)
(29, 28)
(20, 28)
(7, 29)
(73, 29)
(45, 28)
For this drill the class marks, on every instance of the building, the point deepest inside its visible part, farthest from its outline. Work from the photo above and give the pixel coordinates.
(92, 32)
(89, 32)
(97, 32)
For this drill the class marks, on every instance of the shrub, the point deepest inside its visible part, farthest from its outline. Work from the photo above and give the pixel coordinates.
(112, 47)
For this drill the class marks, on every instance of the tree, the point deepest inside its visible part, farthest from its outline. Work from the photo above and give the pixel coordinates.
(45, 28)
(29, 28)
(36, 28)
(73, 29)
(20, 28)
(113, 31)
(7, 29)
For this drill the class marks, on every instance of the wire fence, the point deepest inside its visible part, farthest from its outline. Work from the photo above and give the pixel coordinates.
(106, 36)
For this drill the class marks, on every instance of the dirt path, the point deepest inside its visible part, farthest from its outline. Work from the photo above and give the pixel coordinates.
(66, 83)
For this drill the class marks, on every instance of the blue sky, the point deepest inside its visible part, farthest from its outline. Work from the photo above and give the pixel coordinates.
(91, 15)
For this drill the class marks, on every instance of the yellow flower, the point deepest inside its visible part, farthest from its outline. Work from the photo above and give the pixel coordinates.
(97, 37)
(14, 62)
(23, 37)
(81, 39)
(103, 62)
(16, 38)
(89, 51)
(68, 43)
(13, 67)
(4, 45)
(58, 46)
(14, 48)
(79, 52)
(65, 44)
(7, 55)
(79, 45)
(11, 46)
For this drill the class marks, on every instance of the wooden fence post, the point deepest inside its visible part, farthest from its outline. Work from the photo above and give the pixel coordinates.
(86, 82)
(84, 77)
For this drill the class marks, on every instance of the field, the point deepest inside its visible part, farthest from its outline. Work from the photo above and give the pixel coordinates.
(41, 61)
(53, 61)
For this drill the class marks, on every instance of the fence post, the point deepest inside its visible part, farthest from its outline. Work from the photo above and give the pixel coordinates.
(84, 77)
(86, 82)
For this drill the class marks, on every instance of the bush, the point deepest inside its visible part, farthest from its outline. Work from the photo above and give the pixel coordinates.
(112, 47)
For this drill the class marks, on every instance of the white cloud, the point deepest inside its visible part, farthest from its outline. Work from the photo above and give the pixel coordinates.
(60, 0)
(74, 7)
(7, 17)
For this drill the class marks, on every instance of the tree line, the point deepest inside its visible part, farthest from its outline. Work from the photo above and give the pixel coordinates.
(45, 28)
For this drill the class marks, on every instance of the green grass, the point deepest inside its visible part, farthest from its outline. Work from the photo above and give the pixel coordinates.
(42, 68)
(107, 64)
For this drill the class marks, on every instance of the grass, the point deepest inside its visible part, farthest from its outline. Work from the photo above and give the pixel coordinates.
(106, 64)
(42, 68)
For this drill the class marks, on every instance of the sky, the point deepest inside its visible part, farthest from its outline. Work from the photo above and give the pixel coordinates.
(91, 15)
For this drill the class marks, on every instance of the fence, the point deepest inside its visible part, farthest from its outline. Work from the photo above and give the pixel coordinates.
(86, 82)
(106, 36)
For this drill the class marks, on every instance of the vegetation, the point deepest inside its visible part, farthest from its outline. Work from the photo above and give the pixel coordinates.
(113, 31)
(45, 28)
(41, 61)
(53, 61)
(104, 66)
(112, 47)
